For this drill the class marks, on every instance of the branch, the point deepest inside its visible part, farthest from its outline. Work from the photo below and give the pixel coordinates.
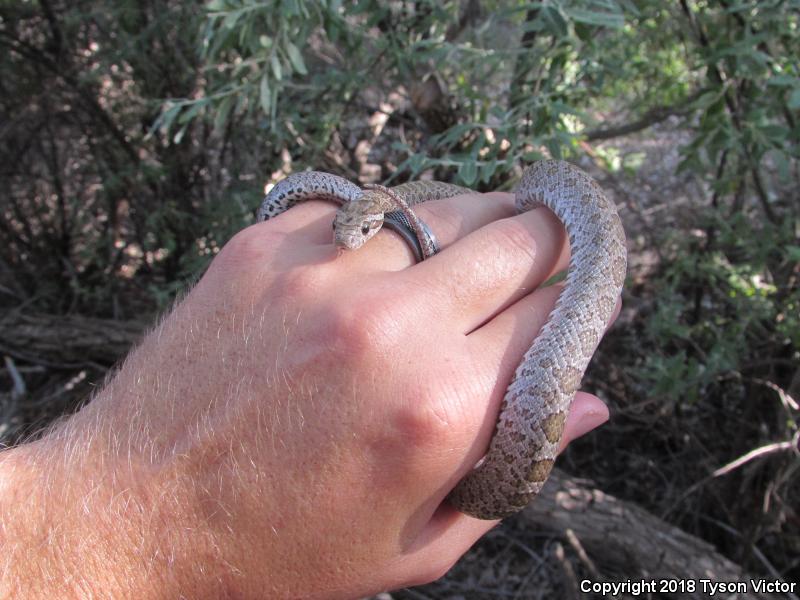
(67, 341)
(650, 118)
(90, 104)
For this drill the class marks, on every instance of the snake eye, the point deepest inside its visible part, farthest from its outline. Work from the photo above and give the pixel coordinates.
(365, 229)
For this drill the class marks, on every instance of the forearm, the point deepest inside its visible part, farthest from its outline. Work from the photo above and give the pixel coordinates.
(77, 520)
(157, 490)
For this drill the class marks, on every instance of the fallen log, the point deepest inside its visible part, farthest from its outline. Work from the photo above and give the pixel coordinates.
(67, 341)
(615, 536)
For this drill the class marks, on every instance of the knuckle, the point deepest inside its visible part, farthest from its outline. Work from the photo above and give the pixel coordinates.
(302, 281)
(343, 330)
(422, 423)
(366, 325)
(250, 245)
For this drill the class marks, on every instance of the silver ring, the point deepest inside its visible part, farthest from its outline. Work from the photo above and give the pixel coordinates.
(399, 223)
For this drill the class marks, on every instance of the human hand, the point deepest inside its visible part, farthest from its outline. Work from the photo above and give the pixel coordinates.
(292, 428)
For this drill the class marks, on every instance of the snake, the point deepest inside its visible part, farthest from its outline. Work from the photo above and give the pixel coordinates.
(534, 409)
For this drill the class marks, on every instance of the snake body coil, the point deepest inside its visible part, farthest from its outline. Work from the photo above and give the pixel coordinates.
(534, 409)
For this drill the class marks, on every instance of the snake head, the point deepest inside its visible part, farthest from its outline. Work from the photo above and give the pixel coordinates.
(355, 223)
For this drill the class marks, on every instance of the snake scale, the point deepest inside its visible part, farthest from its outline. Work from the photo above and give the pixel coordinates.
(533, 412)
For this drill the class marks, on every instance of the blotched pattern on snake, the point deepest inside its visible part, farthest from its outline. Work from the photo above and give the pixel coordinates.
(534, 409)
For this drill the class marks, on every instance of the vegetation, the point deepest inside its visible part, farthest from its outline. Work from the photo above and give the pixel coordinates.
(137, 137)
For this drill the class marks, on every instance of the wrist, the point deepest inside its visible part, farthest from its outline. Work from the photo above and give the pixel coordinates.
(75, 518)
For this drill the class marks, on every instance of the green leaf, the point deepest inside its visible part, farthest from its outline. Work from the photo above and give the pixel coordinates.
(468, 172)
(487, 170)
(166, 118)
(231, 19)
(552, 22)
(532, 156)
(222, 112)
(179, 136)
(593, 17)
(188, 115)
(707, 99)
(782, 164)
(774, 133)
(784, 81)
(275, 63)
(274, 112)
(565, 109)
(296, 58)
(794, 99)
(452, 135)
(264, 94)
(216, 5)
